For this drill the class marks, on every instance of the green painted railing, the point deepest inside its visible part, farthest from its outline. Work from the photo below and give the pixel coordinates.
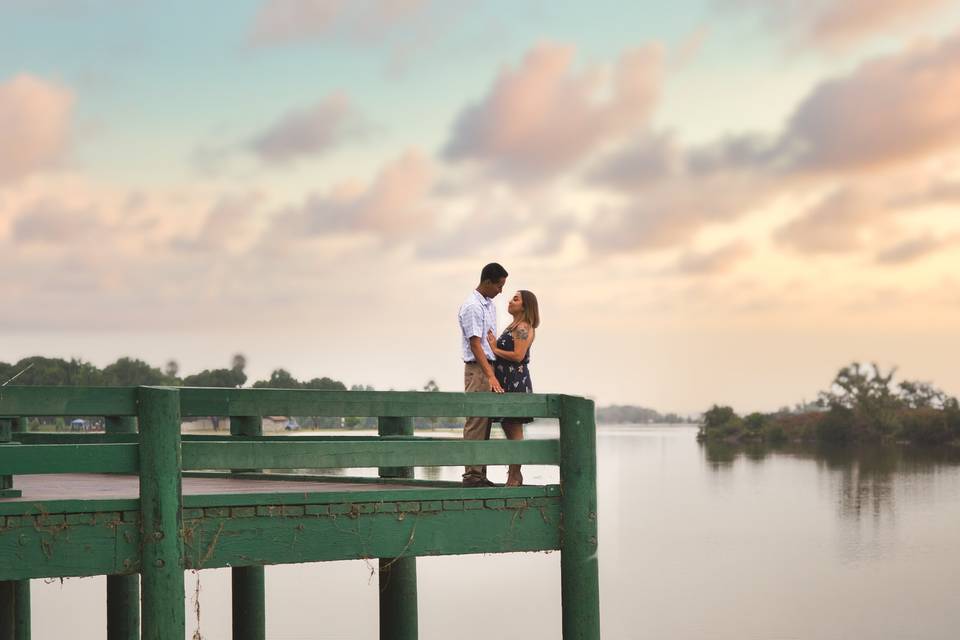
(159, 454)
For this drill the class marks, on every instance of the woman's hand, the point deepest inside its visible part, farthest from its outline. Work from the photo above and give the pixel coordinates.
(491, 339)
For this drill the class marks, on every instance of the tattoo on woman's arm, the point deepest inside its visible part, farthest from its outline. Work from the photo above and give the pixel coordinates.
(522, 333)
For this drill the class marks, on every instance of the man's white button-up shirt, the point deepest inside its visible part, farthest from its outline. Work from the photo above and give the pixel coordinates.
(477, 316)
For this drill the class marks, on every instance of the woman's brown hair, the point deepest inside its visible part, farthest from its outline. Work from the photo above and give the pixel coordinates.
(531, 310)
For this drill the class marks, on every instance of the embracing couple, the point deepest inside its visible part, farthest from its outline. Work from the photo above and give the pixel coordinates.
(496, 364)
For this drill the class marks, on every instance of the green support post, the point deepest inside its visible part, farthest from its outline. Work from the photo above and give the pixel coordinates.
(8, 609)
(249, 597)
(398, 576)
(123, 592)
(6, 440)
(15, 610)
(21, 588)
(579, 569)
(21, 623)
(161, 500)
(248, 583)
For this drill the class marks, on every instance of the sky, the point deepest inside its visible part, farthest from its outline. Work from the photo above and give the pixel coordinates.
(714, 200)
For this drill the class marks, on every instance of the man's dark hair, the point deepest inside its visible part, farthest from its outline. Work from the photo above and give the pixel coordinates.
(493, 272)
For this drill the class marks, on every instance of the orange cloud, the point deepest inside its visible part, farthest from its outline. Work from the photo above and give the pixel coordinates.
(914, 249)
(720, 260)
(891, 109)
(544, 117)
(36, 117)
(393, 204)
(837, 23)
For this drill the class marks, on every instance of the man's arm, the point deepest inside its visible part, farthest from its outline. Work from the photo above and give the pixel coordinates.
(481, 357)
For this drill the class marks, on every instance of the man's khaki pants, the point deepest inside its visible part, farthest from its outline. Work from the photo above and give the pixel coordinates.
(475, 428)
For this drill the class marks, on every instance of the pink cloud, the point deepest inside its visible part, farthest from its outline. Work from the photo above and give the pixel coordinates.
(393, 204)
(890, 109)
(544, 116)
(834, 225)
(35, 117)
(309, 131)
(837, 23)
(883, 118)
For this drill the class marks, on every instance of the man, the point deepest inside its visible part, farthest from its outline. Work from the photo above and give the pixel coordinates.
(477, 317)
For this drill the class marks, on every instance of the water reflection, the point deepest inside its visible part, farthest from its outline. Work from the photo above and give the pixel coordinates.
(864, 477)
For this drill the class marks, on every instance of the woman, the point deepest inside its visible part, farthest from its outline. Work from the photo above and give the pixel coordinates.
(511, 368)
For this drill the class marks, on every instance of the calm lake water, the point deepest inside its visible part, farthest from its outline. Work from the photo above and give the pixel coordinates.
(694, 543)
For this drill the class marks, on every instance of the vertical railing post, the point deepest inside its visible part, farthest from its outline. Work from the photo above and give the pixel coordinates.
(398, 576)
(8, 609)
(248, 583)
(21, 621)
(579, 570)
(6, 440)
(14, 610)
(123, 592)
(21, 588)
(161, 500)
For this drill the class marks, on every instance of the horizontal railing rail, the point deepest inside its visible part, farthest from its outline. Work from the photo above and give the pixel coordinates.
(393, 453)
(200, 402)
(28, 459)
(293, 454)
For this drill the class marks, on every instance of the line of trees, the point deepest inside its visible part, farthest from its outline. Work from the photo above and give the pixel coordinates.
(862, 404)
(38, 370)
(630, 414)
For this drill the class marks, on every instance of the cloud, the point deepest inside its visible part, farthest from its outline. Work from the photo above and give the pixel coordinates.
(652, 158)
(837, 23)
(309, 131)
(915, 249)
(394, 204)
(35, 120)
(883, 118)
(720, 260)
(672, 212)
(498, 226)
(891, 109)
(51, 222)
(836, 224)
(228, 226)
(543, 117)
(280, 22)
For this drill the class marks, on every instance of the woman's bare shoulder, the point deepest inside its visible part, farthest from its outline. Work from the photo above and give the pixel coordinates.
(523, 330)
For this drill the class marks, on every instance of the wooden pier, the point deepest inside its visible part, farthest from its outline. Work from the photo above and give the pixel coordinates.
(142, 503)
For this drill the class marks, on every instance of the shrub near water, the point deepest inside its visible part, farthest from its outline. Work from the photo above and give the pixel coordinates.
(860, 406)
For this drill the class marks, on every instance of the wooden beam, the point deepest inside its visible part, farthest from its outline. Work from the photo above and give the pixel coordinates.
(313, 455)
(401, 404)
(69, 458)
(68, 401)
(350, 531)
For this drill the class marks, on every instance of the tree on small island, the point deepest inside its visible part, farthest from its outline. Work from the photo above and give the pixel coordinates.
(861, 405)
